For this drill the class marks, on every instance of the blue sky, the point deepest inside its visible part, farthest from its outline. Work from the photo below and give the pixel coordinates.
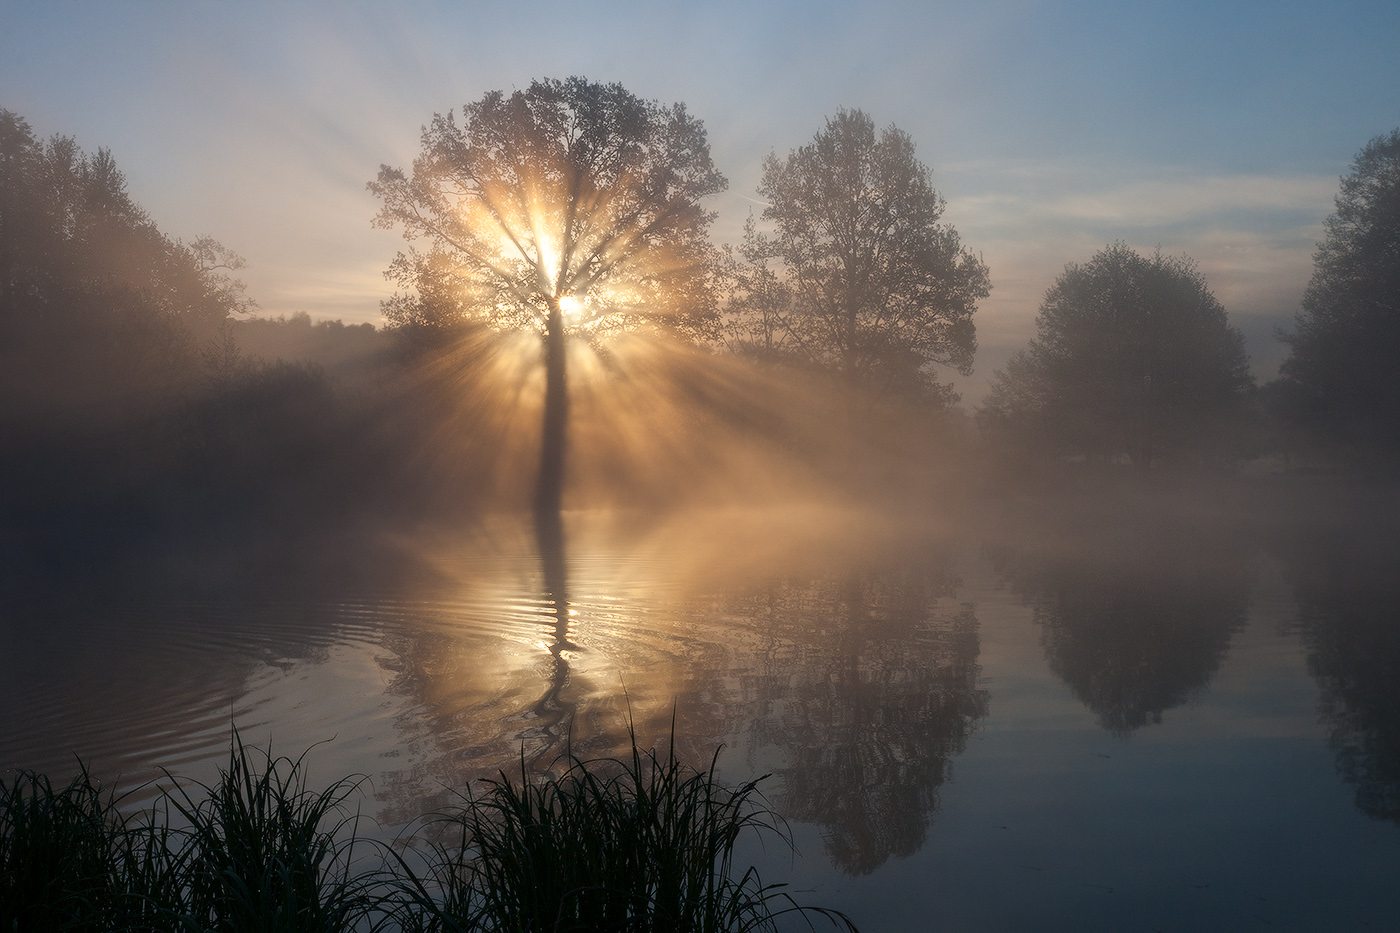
(1217, 130)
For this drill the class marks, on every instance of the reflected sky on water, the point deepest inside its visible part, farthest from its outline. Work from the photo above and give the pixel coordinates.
(1153, 729)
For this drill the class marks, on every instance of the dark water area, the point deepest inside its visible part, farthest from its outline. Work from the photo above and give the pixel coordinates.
(1094, 715)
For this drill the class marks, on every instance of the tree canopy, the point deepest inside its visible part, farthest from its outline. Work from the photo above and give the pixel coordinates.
(569, 190)
(68, 228)
(100, 313)
(858, 275)
(1133, 357)
(1340, 375)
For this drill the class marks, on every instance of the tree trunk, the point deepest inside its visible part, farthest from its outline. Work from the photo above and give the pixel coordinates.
(549, 487)
(549, 525)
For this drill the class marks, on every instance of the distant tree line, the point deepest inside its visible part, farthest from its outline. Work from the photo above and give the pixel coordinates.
(130, 410)
(1134, 358)
(136, 388)
(850, 275)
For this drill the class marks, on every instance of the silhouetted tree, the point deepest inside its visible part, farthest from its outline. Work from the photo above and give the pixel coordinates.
(102, 316)
(1340, 376)
(858, 276)
(1133, 357)
(69, 230)
(571, 207)
(129, 414)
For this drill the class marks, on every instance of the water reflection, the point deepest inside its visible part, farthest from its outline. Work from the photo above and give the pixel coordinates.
(846, 664)
(867, 687)
(856, 687)
(551, 709)
(136, 682)
(1347, 590)
(1135, 631)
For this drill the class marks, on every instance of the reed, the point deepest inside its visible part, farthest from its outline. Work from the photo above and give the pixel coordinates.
(641, 844)
(263, 852)
(59, 858)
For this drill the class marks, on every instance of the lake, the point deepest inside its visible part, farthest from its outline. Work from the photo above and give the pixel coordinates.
(1118, 717)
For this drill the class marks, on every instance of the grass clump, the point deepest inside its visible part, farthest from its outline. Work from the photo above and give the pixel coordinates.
(264, 852)
(59, 855)
(644, 844)
(257, 851)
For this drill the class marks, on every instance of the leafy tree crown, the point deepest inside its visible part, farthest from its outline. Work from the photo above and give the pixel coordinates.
(568, 191)
(858, 275)
(1339, 377)
(1133, 356)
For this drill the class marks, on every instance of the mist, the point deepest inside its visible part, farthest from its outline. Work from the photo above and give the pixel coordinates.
(598, 477)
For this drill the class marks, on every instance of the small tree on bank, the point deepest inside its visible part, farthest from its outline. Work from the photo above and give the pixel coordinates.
(858, 276)
(569, 208)
(1133, 358)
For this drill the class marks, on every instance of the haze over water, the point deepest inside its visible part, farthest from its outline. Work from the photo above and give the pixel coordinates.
(1156, 722)
(976, 422)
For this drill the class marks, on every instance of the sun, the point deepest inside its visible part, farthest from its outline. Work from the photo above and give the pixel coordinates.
(571, 305)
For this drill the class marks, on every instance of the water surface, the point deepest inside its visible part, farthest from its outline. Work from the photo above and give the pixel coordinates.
(1158, 726)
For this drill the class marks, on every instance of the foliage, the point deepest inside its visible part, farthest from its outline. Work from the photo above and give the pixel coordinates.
(1133, 357)
(57, 855)
(134, 414)
(73, 241)
(567, 190)
(264, 852)
(569, 207)
(102, 317)
(644, 844)
(1339, 378)
(260, 852)
(858, 276)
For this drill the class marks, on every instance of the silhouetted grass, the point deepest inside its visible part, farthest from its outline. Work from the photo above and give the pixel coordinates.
(263, 852)
(636, 845)
(59, 862)
(259, 852)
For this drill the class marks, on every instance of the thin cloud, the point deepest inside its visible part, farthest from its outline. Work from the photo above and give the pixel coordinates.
(1154, 202)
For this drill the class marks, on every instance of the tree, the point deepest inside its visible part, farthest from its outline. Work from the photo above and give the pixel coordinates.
(100, 313)
(569, 208)
(1133, 357)
(1340, 375)
(866, 281)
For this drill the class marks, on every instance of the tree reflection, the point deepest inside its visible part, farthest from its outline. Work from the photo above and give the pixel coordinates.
(1133, 632)
(1347, 591)
(482, 701)
(859, 685)
(869, 687)
(555, 714)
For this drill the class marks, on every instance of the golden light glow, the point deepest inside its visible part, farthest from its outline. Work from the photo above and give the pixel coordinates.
(571, 305)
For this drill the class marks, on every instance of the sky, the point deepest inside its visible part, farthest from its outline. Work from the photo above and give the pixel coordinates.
(1216, 130)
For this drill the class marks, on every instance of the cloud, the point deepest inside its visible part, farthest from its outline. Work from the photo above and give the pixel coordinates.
(1036, 198)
